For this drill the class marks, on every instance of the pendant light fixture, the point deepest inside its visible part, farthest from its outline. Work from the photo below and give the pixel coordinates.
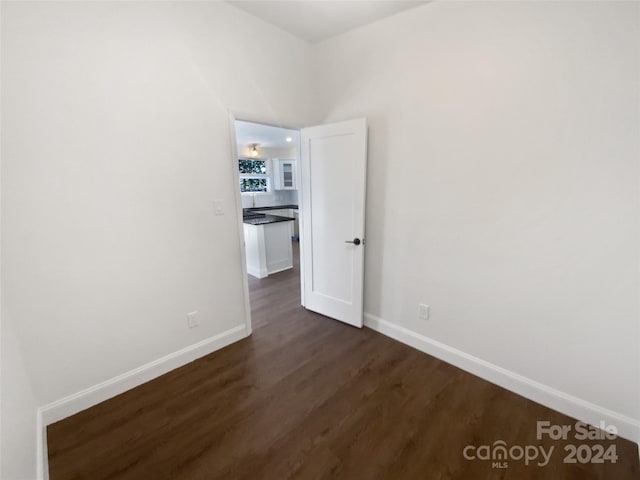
(254, 150)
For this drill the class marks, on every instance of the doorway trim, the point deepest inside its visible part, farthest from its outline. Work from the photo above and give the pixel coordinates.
(264, 120)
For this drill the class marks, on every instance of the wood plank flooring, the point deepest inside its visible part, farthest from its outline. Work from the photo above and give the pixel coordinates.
(307, 397)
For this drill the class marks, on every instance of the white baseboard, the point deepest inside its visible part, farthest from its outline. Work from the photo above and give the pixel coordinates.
(257, 272)
(575, 407)
(72, 404)
(280, 269)
(280, 266)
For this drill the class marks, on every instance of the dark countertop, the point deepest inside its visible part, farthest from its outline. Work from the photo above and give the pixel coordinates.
(275, 207)
(262, 219)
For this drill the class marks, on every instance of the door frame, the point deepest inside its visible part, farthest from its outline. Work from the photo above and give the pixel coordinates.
(264, 120)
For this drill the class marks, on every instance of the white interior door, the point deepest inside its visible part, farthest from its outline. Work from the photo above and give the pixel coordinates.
(334, 161)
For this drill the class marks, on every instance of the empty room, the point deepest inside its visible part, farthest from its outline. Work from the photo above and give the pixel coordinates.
(316, 239)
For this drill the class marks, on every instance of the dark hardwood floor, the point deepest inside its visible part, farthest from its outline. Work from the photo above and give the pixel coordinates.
(307, 397)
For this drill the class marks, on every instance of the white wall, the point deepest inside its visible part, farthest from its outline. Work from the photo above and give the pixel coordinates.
(17, 410)
(272, 199)
(503, 183)
(502, 189)
(116, 144)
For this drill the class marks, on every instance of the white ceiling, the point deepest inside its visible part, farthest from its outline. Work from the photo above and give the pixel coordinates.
(316, 20)
(263, 135)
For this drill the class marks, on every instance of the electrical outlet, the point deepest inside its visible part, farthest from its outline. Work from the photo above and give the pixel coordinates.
(218, 207)
(192, 319)
(423, 311)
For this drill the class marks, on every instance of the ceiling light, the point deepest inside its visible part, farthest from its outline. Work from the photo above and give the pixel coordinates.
(289, 139)
(254, 150)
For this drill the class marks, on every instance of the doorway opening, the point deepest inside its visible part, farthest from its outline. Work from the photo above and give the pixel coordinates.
(268, 159)
(314, 191)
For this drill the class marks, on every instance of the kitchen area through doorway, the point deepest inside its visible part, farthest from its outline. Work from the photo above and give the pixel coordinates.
(268, 181)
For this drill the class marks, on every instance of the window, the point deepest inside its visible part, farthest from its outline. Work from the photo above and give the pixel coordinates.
(254, 176)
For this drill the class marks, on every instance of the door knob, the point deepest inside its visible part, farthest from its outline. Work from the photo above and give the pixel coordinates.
(355, 241)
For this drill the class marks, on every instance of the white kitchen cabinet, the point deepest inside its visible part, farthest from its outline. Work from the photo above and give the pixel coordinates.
(296, 224)
(285, 212)
(284, 172)
(268, 248)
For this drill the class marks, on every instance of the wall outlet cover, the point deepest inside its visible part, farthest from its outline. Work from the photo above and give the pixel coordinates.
(192, 319)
